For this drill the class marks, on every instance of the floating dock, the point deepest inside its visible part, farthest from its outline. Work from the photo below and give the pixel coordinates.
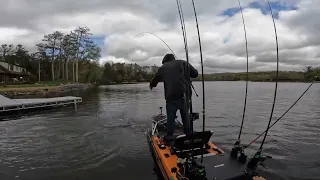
(11, 105)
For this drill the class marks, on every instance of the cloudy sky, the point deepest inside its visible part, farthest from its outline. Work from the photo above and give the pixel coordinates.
(116, 24)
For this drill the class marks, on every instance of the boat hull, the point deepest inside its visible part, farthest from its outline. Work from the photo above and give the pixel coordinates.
(155, 157)
(218, 164)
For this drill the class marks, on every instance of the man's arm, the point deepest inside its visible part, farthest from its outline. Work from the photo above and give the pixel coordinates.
(156, 79)
(193, 71)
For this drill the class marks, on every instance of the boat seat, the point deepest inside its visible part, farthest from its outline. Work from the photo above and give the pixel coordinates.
(182, 144)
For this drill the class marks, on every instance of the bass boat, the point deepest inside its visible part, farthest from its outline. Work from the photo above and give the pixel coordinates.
(179, 158)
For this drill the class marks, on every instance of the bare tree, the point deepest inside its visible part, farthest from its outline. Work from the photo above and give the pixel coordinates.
(82, 38)
(52, 43)
(69, 49)
(6, 50)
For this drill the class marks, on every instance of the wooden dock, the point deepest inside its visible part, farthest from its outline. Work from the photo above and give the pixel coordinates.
(9, 105)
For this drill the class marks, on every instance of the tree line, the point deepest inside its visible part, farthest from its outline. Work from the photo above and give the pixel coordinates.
(70, 57)
(124, 73)
(307, 74)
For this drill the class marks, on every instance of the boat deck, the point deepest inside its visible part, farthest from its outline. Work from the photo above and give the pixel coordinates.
(162, 130)
(7, 105)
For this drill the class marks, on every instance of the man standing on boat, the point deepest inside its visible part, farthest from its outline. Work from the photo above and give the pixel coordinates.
(176, 81)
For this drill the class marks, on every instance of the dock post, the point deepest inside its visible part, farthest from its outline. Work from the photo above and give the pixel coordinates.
(75, 104)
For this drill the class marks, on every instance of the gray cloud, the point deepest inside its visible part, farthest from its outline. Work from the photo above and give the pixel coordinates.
(119, 21)
(304, 56)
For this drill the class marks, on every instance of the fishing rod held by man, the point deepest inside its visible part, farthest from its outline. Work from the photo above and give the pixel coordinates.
(176, 82)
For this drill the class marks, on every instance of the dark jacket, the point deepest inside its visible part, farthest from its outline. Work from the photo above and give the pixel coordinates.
(175, 78)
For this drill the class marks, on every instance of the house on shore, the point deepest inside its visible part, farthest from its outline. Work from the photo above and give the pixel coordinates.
(11, 73)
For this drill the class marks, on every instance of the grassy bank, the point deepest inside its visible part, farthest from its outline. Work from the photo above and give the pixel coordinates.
(42, 88)
(28, 88)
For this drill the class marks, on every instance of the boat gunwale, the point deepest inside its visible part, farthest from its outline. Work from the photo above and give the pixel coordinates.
(151, 145)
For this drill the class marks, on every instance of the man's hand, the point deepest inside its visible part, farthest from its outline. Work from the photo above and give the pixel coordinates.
(150, 87)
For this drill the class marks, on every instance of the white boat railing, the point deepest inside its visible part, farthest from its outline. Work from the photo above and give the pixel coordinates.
(156, 124)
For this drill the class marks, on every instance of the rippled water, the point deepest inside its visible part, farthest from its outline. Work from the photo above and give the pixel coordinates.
(105, 138)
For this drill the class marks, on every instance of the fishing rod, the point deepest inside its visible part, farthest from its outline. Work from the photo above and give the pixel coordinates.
(277, 76)
(184, 33)
(201, 60)
(169, 49)
(160, 39)
(258, 157)
(280, 116)
(189, 99)
(247, 78)
(237, 147)
(186, 49)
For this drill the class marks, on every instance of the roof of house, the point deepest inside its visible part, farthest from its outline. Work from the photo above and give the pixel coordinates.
(11, 63)
(5, 71)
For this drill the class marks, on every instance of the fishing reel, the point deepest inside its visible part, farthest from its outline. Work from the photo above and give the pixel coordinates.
(257, 159)
(194, 116)
(194, 170)
(237, 152)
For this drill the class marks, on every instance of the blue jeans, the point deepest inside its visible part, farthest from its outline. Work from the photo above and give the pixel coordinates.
(172, 108)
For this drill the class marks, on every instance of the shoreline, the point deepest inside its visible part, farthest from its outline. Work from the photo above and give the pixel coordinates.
(43, 90)
(107, 84)
(215, 81)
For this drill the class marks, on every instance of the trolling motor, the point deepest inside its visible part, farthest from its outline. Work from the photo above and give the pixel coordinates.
(257, 159)
(237, 152)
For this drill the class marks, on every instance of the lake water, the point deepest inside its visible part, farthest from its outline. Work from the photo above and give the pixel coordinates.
(105, 138)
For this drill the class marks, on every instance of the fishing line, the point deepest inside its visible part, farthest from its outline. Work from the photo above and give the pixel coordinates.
(247, 78)
(201, 60)
(160, 39)
(281, 115)
(276, 87)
